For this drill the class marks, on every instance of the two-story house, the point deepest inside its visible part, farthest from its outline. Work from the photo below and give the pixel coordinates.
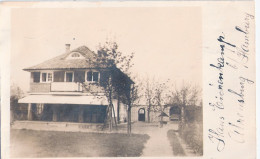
(67, 89)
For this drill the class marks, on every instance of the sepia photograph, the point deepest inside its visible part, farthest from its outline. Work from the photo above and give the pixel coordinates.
(128, 79)
(106, 82)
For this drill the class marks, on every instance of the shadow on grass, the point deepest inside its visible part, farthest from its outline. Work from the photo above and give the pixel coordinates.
(174, 141)
(30, 143)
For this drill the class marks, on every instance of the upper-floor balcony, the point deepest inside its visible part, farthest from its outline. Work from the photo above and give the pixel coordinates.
(65, 87)
(56, 87)
(65, 81)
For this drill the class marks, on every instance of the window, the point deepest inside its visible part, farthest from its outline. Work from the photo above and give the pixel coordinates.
(75, 55)
(46, 77)
(69, 76)
(89, 76)
(59, 76)
(79, 76)
(49, 77)
(36, 77)
(95, 76)
(92, 76)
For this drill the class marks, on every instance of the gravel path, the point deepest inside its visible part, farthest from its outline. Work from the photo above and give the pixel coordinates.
(158, 145)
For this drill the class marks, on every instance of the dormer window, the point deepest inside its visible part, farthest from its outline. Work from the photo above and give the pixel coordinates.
(92, 76)
(75, 55)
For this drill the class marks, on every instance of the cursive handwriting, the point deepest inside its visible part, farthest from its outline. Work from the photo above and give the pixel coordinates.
(217, 136)
(220, 65)
(236, 127)
(241, 51)
(235, 55)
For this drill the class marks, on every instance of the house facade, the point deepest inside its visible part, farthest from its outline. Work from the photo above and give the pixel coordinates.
(68, 88)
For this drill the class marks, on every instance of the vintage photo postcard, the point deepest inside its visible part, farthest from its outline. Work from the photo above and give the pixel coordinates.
(128, 79)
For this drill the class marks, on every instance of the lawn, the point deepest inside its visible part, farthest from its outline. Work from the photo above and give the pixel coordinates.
(176, 146)
(30, 143)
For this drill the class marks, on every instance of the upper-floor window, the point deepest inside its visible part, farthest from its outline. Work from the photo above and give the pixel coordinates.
(69, 77)
(46, 77)
(36, 76)
(92, 76)
(75, 55)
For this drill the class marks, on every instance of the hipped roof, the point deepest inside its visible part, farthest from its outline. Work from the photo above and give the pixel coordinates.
(60, 62)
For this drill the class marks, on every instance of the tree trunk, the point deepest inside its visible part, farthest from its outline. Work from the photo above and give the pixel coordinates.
(130, 126)
(181, 125)
(162, 111)
(129, 120)
(110, 118)
(114, 118)
(118, 110)
(128, 130)
(161, 121)
(148, 114)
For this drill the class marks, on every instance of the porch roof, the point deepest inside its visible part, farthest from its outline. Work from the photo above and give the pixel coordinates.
(63, 99)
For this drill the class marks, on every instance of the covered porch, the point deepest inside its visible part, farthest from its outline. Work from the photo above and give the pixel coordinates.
(77, 109)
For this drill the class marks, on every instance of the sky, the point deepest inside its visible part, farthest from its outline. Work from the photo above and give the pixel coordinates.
(166, 41)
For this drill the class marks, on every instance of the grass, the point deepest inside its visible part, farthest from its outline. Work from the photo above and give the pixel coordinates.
(30, 143)
(176, 146)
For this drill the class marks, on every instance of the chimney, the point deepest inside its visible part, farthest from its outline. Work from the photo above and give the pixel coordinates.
(67, 47)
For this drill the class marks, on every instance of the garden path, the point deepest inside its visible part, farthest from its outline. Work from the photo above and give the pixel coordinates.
(158, 145)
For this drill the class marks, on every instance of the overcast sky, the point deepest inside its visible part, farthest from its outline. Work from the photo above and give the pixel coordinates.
(166, 41)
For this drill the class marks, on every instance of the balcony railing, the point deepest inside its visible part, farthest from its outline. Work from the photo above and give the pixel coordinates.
(66, 87)
(40, 87)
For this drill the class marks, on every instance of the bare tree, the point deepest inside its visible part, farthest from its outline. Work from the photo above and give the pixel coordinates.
(155, 95)
(131, 98)
(186, 95)
(149, 95)
(115, 81)
(161, 99)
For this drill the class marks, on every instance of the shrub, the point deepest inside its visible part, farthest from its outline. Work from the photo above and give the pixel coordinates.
(192, 134)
